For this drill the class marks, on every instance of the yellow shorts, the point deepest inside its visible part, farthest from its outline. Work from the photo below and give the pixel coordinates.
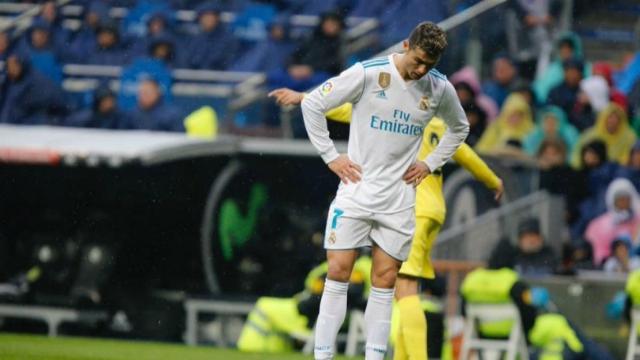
(419, 262)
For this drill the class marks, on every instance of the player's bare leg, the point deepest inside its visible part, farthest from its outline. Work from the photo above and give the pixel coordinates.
(377, 316)
(333, 305)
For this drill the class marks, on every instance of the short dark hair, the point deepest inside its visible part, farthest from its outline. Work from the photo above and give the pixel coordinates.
(428, 37)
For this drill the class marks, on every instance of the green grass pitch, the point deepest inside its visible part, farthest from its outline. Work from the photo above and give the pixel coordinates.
(30, 347)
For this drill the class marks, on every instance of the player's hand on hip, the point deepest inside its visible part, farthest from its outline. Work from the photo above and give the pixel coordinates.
(347, 170)
(416, 173)
(285, 96)
(498, 191)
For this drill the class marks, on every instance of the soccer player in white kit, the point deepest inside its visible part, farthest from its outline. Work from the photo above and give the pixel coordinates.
(393, 98)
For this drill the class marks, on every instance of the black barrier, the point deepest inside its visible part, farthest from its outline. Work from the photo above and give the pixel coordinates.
(193, 225)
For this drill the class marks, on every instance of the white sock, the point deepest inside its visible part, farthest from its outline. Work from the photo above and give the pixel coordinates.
(377, 318)
(333, 308)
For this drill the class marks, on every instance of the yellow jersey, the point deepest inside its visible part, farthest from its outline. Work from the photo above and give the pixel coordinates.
(429, 197)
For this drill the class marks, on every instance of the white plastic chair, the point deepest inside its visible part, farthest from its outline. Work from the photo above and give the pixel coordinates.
(513, 346)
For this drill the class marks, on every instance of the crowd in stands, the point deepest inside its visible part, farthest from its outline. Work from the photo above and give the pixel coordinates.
(579, 119)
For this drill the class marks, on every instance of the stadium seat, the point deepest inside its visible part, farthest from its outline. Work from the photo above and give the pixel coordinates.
(515, 346)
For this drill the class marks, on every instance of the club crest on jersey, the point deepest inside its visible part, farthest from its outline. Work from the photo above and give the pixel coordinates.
(384, 79)
(326, 88)
(332, 238)
(424, 103)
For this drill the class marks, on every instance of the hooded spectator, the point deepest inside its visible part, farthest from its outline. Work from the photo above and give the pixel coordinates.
(612, 127)
(621, 219)
(158, 25)
(565, 95)
(84, 40)
(27, 96)
(108, 50)
(552, 124)
(504, 76)
(104, 113)
(213, 47)
(152, 113)
(162, 47)
(269, 55)
(524, 88)
(568, 46)
(323, 52)
(467, 75)
(42, 52)
(555, 174)
(477, 123)
(587, 193)
(60, 35)
(513, 124)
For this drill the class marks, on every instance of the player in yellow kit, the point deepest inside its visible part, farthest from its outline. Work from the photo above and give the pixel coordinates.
(430, 215)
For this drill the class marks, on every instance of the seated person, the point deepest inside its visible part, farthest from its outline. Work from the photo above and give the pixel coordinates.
(152, 113)
(622, 218)
(621, 261)
(531, 256)
(27, 96)
(103, 114)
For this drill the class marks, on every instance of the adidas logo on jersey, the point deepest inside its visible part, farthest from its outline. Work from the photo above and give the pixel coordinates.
(381, 95)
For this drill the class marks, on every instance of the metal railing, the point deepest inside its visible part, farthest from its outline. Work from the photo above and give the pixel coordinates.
(475, 240)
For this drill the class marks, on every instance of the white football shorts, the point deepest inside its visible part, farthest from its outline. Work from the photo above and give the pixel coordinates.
(354, 228)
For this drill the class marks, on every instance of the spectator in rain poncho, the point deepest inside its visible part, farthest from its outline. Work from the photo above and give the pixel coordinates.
(27, 96)
(468, 78)
(271, 54)
(323, 52)
(621, 219)
(61, 36)
(158, 25)
(152, 113)
(565, 95)
(84, 40)
(611, 127)
(43, 53)
(213, 47)
(103, 114)
(568, 46)
(108, 48)
(552, 124)
(513, 124)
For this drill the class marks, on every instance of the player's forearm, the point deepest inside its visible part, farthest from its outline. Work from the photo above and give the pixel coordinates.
(450, 142)
(314, 121)
(470, 161)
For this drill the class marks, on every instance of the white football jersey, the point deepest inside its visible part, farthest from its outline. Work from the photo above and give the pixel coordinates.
(388, 119)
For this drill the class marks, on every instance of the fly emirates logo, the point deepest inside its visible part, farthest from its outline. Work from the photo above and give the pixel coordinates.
(399, 125)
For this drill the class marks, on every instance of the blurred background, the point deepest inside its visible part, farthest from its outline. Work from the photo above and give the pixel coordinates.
(149, 188)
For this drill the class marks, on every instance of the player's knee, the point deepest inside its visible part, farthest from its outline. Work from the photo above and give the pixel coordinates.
(384, 276)
(339, 271)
